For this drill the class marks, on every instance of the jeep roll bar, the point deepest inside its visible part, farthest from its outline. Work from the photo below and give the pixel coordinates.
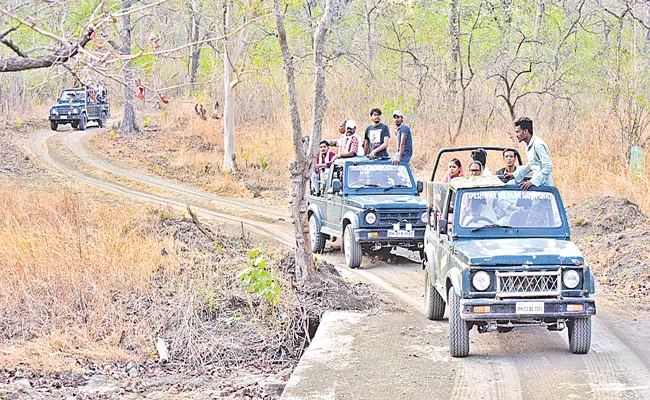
(468, 148)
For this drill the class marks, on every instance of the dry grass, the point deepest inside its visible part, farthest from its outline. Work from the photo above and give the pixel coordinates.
(86, 283)
(69, 270)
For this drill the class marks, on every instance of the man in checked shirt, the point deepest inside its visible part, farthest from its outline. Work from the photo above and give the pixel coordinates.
(539, 157)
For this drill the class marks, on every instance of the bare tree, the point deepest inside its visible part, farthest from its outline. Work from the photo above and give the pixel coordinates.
(300, 165)
(194, 9)
(233, 45)
(129, 124)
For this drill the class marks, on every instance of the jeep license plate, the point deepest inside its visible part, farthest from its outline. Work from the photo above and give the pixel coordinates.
(530, 307)
(401, 234)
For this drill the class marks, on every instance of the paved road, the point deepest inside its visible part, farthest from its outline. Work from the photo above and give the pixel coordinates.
(526, 363)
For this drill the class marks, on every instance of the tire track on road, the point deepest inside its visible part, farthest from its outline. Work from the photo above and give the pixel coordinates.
(76, 140)
(38, 145)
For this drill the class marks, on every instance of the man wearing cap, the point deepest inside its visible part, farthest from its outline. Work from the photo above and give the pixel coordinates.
(350, 144)
(404, 139)
(377, 136)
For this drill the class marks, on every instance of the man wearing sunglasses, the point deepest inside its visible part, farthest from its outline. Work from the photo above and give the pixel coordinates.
(404, 139)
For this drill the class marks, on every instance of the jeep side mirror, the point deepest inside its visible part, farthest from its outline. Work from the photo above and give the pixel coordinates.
(442, 227)
(420, 186)
(336, 185)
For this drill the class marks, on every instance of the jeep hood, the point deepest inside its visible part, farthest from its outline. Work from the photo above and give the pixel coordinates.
(518, 252)
(383, 201)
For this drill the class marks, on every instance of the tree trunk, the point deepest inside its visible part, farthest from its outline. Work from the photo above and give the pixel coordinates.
(194, 34)
(129, 124)
(454, 46)
(371, 7)
(539, 18)
(320, 100)
(229, 154)
(298, 167)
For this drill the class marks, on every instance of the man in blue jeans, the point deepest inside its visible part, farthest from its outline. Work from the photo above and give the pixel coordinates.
(404, 139)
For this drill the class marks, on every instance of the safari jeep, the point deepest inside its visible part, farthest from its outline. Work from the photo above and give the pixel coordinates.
(502, 258)
(77, 107)
(371, 204)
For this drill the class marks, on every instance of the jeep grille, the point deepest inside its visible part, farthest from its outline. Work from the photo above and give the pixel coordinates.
(390, 217)
(528, 284)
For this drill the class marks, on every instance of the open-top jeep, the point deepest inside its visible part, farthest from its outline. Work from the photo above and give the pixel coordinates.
(77, 107)
(501, 258)
(372, 204)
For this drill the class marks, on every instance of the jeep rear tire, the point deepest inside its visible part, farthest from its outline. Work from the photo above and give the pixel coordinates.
(579, 335)
(82, 122)
(434, 303)
(458, 328)
(54, 125)
(317, 239)
(351, 248)
(75, 124)
(102, 120)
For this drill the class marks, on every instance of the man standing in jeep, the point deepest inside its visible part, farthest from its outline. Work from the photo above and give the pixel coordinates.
(377, 136)
(539, 157)
(404, 139)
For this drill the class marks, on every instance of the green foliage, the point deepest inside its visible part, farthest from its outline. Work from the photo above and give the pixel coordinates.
(18, 123)
(147, 121)
(257, 279)
(263, 162)
(112, 135)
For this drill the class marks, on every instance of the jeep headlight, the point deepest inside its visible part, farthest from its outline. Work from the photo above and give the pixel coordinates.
(481, 280)
(75, 110)
(571, 279)
(424, 217)
(371, 218)
(53, 111)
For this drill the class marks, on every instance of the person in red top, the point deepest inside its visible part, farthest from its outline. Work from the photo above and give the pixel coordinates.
(323, 162)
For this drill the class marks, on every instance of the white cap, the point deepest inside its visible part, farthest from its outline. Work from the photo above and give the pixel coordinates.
(350, 124)
(398, 113)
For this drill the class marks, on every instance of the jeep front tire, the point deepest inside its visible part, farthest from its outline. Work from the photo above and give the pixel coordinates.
(317, 239)
(351, 248)
(458, 328)
(433, 302)
(579, 335)
(54, 125)
(82, 122)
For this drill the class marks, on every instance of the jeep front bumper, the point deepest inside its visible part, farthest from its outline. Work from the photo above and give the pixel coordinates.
(64, 118)
(507, 309)
(398, 238)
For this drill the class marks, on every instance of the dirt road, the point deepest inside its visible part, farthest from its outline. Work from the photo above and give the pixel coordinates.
(524, 364)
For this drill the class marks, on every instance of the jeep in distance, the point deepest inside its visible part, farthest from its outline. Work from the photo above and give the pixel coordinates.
(77, 107)
(371, 204)
(500, 258)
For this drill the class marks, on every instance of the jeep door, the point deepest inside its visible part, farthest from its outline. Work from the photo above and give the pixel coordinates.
(445, 245)
(334, 201)
(92, 111)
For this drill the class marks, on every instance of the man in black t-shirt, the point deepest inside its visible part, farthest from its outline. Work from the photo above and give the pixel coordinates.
(509, 159)
(377, 136)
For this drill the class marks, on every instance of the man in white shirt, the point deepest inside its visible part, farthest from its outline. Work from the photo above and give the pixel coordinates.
(539, 157)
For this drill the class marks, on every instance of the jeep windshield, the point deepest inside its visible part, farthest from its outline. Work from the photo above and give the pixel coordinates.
(372, 175)
(72, 96)
(508, 208)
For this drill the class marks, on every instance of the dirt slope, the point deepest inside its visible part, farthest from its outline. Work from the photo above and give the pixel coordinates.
(614, 235)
